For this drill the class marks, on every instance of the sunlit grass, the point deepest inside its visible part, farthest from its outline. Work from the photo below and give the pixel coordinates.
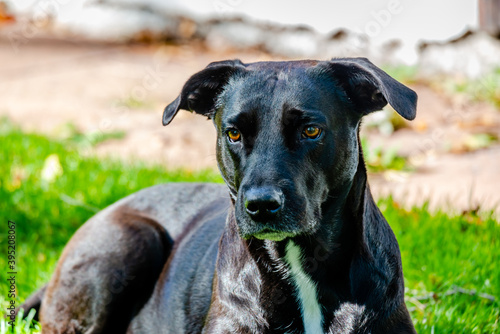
(450, 263)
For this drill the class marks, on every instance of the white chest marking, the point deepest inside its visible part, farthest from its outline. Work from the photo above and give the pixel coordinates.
(306, 291)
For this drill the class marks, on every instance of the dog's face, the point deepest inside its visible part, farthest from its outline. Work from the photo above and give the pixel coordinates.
(287, 134)
(285, 142)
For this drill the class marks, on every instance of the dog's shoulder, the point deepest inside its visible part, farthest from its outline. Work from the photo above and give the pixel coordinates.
(376, 271)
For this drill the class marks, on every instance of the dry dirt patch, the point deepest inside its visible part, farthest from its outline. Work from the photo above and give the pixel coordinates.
(109, 88)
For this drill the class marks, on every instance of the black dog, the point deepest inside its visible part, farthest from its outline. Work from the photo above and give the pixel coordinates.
(298, 246)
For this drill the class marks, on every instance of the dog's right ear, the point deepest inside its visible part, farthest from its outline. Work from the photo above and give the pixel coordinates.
(200, 92)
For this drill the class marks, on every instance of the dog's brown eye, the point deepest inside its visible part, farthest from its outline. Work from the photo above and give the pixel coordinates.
(234, 135)
(311, 132)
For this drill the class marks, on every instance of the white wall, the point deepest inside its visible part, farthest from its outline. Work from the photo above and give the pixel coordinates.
(408, 20)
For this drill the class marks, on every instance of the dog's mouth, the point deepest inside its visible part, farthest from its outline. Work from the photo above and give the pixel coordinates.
(263, 223)
(270, 234)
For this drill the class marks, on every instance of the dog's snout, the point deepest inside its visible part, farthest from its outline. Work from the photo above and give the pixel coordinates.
(263, 203)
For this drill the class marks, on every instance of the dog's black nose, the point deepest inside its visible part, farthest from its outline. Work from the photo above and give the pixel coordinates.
(263, 203)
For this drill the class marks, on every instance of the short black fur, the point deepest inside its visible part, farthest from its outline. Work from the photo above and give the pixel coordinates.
(223, 259)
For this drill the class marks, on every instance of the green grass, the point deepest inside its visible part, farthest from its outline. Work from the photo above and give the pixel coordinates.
(49, 207)
(485, 88)
(451, 269)
(71, 134)
(379, 159)
(450, 263)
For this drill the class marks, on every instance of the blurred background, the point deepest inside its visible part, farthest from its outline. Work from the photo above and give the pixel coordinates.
(83, 84)
(107, 68)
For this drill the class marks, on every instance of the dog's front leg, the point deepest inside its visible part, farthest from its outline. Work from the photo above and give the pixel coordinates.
(237, 288)
(250, 291)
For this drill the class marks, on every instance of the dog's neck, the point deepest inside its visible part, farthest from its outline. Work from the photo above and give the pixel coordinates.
(263, 275)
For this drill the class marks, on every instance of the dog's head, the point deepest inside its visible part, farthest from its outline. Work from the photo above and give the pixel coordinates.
(287, 134)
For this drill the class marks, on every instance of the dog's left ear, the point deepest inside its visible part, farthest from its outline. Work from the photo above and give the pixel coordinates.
(370, 88)
(200, 92)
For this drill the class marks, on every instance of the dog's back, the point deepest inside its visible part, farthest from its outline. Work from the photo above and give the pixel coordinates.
(164, 239)
(197, 213)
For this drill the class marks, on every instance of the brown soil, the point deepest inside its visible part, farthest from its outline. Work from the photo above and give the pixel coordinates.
(46, 83)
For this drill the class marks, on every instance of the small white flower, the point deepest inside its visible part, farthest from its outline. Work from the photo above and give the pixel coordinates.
(51, 168)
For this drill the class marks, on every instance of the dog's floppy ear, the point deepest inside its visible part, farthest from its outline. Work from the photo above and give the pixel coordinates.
(199, 93)
(370, 89)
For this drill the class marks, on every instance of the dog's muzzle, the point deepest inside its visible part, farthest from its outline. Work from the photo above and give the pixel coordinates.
(261, 215)
(263, 204)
